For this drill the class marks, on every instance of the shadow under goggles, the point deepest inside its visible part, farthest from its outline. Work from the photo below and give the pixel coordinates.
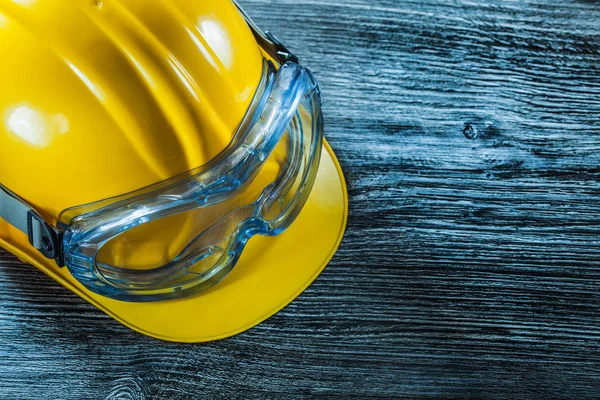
(182, 236)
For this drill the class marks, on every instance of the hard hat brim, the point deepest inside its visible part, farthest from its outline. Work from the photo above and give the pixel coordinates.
(271, 273)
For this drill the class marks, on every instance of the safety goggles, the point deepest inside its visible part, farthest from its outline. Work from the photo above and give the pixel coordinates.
(181, 236)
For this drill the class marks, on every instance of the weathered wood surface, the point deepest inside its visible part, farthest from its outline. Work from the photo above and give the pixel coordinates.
(470, 135)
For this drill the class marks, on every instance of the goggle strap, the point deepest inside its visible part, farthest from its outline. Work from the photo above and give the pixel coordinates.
(18, 213)
(267, 40)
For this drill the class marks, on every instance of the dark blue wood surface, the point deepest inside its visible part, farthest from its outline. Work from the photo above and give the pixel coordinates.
(470, 135)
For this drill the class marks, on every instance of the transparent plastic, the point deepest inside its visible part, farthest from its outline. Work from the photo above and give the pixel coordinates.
(182, 236)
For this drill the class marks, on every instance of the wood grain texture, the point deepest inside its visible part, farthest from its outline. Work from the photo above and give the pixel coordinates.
(470, 135)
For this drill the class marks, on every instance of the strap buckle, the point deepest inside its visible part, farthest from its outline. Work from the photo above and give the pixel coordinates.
(44, 238)
(282, 52)
(267, 40)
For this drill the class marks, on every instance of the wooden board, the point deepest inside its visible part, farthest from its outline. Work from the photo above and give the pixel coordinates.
(470, 135)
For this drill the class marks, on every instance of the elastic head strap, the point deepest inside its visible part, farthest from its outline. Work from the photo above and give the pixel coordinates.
(22, 216)
(268, 41)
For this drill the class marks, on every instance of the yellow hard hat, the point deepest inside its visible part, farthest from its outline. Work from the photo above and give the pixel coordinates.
(165, 161)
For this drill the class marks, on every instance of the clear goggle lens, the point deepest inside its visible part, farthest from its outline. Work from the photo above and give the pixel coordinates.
(186, 234)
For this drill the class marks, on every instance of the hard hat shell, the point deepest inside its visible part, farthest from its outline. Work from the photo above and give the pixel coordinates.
(117, 94)
(100, 98)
